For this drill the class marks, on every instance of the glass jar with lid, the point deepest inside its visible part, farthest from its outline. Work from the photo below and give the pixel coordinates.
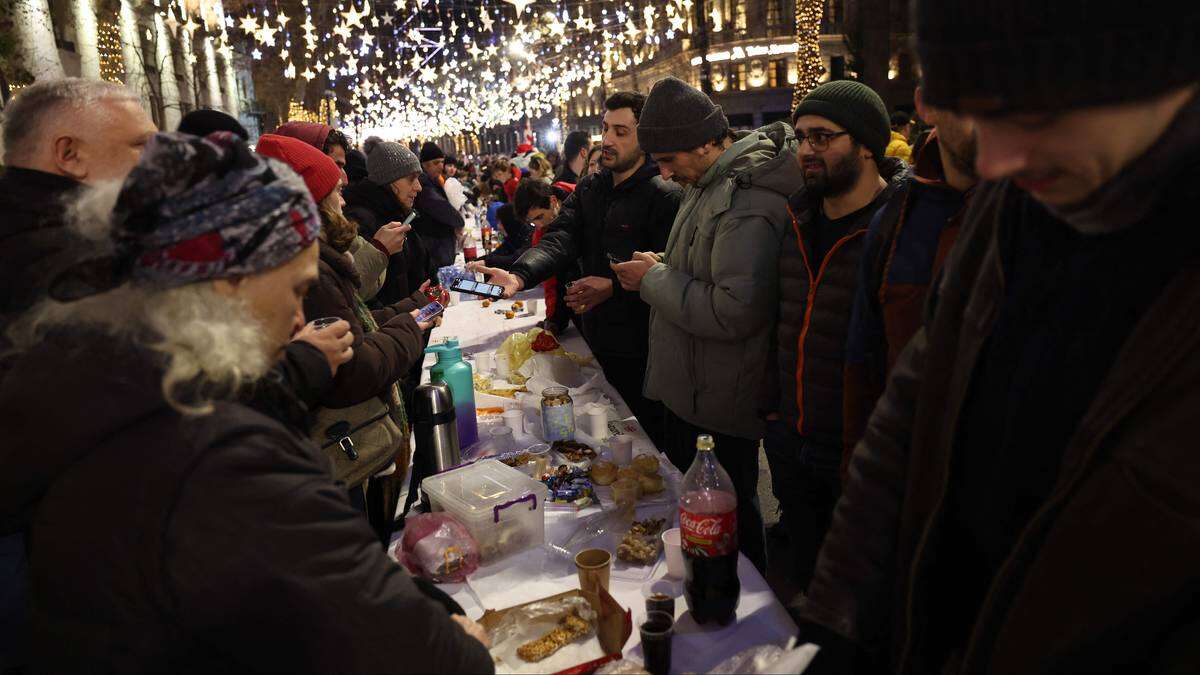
(558, 414)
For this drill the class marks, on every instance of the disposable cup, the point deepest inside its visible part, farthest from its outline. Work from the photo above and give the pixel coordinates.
(515, 420)
(594, 566)
(674, 549)
(622, 448)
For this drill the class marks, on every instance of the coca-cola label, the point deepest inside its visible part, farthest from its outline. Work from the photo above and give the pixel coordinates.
(708, 535)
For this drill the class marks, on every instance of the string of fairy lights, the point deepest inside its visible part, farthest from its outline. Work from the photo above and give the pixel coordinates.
(422, 68)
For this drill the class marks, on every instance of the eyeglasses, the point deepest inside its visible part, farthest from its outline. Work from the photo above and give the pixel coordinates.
(820, 140)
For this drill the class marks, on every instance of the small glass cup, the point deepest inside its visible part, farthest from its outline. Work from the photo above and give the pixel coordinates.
(657, 631)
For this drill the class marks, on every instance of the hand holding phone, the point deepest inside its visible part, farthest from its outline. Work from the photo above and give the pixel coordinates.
(479, 288)
(428, 313)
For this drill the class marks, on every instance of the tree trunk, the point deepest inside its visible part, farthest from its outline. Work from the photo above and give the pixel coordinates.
(35, 39)
(212, 89)
(166, 76)
(135, 74)
(86, 32)
(875, 40)
(187, 64)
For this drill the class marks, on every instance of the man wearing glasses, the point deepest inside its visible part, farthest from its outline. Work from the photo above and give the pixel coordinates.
(843, 129)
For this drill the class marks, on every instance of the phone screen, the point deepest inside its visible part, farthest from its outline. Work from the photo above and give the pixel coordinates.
(478, 288)
(428, 312)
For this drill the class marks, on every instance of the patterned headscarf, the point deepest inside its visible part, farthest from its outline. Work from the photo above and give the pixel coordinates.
(196, 209)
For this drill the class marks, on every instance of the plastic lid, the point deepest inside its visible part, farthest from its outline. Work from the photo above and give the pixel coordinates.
(482, 486)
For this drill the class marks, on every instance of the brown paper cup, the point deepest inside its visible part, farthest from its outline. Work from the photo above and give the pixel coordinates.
(594, 566)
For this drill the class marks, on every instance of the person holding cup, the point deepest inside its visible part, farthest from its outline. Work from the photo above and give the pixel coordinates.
(361, 423)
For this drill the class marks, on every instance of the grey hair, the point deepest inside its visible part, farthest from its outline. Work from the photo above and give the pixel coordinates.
(47, 100)
(212, 344)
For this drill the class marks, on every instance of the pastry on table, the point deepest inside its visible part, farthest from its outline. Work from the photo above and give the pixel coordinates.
(646, 464)
(569, 629)
(628, 472)
(604, 472)
(650, 484)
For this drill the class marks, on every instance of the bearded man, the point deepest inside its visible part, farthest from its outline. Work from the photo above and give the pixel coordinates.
(842, 128)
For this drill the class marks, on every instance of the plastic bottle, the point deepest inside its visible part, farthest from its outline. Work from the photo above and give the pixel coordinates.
(470, 252)
(451, 369)
(709, 537)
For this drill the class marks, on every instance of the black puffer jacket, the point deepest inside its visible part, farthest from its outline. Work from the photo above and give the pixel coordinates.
(372, 206)
(214, 543)
(599, 219)
(815, 300)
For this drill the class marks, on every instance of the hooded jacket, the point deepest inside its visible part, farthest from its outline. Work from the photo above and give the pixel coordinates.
(713, 300)
(815, 301)
(208, 543)
(597, 220)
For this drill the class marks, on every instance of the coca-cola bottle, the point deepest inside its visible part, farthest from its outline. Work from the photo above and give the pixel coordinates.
(708, 534)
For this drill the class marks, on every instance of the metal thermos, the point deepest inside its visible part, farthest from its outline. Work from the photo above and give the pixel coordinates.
(435, 428)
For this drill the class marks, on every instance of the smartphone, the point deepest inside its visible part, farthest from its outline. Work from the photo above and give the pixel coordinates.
(428, 312)
(483, 290)
(615, 260)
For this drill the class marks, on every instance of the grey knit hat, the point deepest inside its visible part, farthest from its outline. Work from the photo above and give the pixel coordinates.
(856, 107)
(677, 117)
(389, 162)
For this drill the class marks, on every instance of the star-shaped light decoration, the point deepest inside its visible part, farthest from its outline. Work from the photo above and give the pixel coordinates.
(631, 30)
(474, 51)
(678, 22)
(266, 35)
(367, 39)
(342, 31)
(255, 54)
(352, 63)
(248, 24)
(283, 20)
(520, 5)
(387, 18)
(485, 19)
(492, 50)
(557, 28)
(353, 17)
(428, 75)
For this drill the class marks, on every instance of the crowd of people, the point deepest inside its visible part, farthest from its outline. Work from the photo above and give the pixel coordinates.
(972, 361)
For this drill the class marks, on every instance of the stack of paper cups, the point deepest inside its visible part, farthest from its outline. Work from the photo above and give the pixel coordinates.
(597, 419)
(515, 420)
(622, 447)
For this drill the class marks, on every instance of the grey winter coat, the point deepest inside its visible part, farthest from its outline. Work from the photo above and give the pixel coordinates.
(714, 298)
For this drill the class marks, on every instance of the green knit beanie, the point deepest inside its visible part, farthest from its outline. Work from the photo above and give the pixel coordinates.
(854, 106)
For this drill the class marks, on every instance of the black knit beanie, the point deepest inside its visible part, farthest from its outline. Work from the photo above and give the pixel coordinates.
(430, 151)
(204, 121)
(677, 117)
(854, 106)
(1002, 56)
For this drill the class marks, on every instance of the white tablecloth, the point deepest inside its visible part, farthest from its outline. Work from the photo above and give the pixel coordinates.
(761, 619)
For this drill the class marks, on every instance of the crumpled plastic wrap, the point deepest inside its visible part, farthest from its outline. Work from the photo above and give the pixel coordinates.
(518, 349)
(622, 667)
(606, 530)
(437, 547)
(769, 659)
(526, 624)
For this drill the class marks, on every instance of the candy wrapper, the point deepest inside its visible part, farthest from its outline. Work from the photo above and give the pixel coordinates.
(438, 547)
(574, 630)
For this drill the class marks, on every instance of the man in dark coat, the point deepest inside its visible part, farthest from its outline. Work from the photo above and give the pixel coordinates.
(842, 130)
(227, 547)
(438, 222)
(626, 207)
(1024, 498)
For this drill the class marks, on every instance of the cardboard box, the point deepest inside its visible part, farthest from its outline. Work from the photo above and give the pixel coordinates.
(614, 625)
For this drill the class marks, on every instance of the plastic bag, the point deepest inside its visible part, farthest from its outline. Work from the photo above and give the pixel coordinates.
(437, 547)
(606, 530)
(769, 659)
(622, 667)
(523, 625)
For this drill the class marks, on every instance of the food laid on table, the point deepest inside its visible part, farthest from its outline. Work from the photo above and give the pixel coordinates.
(603, 472)
(569, 486)
(573, 451)
(641, 544)
(487, 385)
(569, 629)
(518, 348)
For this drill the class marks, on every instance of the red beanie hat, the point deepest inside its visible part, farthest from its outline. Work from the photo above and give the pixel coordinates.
(320, 173)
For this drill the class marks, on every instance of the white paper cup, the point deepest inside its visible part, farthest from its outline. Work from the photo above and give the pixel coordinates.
(532, 306)
(515, 420)
(622, 447)
(502, 366)
(597, 420)
(485, 362)
(674, 549)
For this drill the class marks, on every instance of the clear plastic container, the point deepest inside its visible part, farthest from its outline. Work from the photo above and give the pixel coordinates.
(502, 507)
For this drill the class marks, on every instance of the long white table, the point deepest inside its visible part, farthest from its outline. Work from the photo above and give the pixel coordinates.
(761, 619)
